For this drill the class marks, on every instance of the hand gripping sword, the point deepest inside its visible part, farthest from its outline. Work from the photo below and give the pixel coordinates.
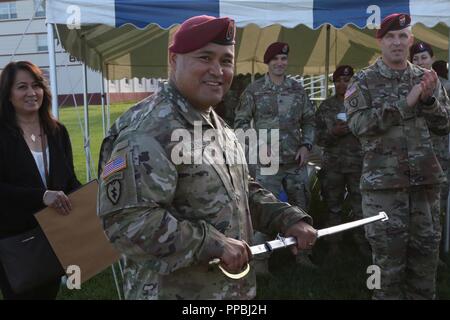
(281, 242)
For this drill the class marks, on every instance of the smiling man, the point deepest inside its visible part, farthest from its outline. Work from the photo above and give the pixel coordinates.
(170, 218)
(392, 107)
(278, 102)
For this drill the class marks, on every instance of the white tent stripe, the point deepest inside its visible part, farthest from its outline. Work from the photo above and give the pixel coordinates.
(288, 13)
(430, 12)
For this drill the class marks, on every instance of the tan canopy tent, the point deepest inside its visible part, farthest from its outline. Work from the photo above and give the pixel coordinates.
(127, 52)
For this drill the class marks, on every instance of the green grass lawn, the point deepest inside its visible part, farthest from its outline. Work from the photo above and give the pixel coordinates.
(341, 277)
(71, 118)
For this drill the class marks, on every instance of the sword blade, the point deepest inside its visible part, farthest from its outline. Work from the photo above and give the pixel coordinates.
(350, 225)
(281, 242)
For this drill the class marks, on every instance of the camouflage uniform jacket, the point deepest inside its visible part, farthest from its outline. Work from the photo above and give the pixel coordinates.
(285, 107)
(446, 84)
(169, 218)
(440, 143)
(230, 102)
(340, 153)
(395, 138)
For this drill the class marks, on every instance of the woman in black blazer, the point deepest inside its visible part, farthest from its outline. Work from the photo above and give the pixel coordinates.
(27, 185)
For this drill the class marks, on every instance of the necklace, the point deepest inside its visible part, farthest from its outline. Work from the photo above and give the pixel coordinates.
(34, 137)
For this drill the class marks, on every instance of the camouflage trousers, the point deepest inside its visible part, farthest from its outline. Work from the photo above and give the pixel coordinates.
(444, 196)
(406, 246)
(334, 187)
(289, 184)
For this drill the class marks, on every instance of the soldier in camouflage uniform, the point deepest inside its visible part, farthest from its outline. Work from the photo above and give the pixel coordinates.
(342, 159)
(278, 102)
(422, 54)
(171, 201)
(226, 108)
(392, 106)
(441, 69)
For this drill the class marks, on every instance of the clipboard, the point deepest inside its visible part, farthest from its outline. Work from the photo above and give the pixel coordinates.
(78, 238)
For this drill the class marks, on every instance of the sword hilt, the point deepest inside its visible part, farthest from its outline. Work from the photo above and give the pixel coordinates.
(234, 276)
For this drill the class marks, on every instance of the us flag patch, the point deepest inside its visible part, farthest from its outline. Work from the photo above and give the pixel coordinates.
(350, 91)
(114, 165)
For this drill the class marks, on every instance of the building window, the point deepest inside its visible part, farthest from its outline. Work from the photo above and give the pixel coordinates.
(127, 81)
(39, 8)
(8, 11)
(42, 42)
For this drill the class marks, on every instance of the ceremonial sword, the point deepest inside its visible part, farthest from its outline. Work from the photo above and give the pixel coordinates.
(282, 242)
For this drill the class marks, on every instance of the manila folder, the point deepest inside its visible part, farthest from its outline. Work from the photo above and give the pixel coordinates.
(78, 238)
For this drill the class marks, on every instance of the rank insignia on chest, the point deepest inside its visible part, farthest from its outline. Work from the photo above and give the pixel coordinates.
(113, 190)
(117, 164)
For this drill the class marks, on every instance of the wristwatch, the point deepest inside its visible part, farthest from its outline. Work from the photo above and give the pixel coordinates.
(307, 145)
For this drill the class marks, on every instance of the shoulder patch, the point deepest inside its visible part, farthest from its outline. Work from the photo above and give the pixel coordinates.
(113, 191)
(353, 102)
(117, 164)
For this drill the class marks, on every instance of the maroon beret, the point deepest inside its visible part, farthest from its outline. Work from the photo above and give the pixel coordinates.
(441, 68)
(197, 32)
(420, 47)
(344, 70)
(393, 22)
(274, 49)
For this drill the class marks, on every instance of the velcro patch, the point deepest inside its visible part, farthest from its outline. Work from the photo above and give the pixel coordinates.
(114, 165)
(354, 102)
(113, 191)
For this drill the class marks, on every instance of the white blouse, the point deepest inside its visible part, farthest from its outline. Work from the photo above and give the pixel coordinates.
(39, 159)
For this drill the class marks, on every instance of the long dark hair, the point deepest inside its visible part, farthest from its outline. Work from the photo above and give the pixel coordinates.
(7, 111)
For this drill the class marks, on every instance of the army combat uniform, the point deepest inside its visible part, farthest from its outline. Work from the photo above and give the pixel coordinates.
(169, 217)
(285, 107)
(440, 145)
(341, 164)
(400, 176)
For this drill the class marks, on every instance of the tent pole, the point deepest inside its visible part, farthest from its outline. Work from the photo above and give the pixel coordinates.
(108, 100)
(116, 281)
(327, 60)
(447, 215)
(102, 93)
(87, 149)
(52, 65)
(253, 69)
